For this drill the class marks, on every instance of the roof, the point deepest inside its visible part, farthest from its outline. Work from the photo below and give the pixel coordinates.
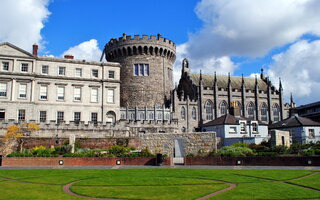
(294, 121)
(228, 119)
(17, 48)
(314, 104)
(222, 81)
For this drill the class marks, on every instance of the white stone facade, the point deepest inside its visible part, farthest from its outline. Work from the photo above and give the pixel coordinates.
(81, 90)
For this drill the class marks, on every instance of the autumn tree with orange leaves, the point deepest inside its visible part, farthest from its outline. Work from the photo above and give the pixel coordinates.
(19, 132)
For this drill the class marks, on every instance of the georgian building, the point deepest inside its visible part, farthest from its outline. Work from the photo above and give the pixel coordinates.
(47, 89)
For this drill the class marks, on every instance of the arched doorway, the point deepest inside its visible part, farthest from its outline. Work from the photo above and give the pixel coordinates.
(111, 117)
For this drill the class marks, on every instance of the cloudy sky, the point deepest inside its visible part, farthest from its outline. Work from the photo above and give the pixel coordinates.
(236, 36)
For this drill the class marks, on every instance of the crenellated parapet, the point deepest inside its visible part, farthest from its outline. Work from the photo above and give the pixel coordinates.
(140, 45)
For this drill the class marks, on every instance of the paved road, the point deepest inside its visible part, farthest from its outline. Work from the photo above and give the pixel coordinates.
(174, 167)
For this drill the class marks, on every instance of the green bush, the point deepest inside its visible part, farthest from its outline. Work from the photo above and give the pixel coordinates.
(235, 151)
(240, 144)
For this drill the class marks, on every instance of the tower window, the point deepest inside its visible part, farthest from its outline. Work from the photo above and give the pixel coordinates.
(141, 69)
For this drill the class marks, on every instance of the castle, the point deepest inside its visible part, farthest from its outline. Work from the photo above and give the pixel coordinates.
(134, 89)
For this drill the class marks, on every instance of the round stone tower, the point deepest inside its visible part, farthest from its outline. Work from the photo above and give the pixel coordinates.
(146, 68)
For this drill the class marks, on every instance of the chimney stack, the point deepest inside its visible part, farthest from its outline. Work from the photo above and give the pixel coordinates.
(68, 56)
(35, 50)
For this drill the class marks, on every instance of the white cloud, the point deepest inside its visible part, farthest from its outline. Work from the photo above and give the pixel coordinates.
(251, 28)
(22, 20)
(87, 50)
(299, 68)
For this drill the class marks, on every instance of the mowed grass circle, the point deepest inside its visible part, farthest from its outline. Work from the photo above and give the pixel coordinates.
(146, 187)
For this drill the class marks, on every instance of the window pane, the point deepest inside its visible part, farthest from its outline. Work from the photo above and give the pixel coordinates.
(77, 94)
(136, 69)
(60, 116)
(62, 71)
(45, 69)
(77, 116)
(111, 74)
(3, 89)
(146, 69)
(95, 73)
(94, 94)
(21, 115)
(110, 96)
(22, 90)
(141, 70)
(78, 72)
(5, 66)
(60, 93)
(43, 116)
(43, 92)
(24, 67)
(94, 117)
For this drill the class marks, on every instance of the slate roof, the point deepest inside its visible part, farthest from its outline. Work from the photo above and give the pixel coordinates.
(294, 121)
(228, 120)
(222, 81)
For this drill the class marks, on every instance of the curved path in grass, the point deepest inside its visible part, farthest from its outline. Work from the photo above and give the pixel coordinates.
(66, 188)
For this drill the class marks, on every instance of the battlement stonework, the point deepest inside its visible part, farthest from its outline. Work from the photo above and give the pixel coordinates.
(146, 68)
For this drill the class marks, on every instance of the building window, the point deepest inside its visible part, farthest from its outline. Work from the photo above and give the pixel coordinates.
(43, 92)
(5, 66)
(251, 110)
(60, 116)
(264, 112)
(43, 116)
(151, 116)
(62, 71)
(183, 112)
(21, 115)
(194, 113)
(78, 72)
(44, 69)
(142, 116)
(23, 91)
(111, 74)
(311, 133)
(24, 67)
(2, 114)
(77, 94)
(60, 92)
(110, 96)
(209, 110)
(223, 108)
(94, 117)
(233, 130)
(95, 73)
(243, 127)
(276, 113)
(77, 117)
(3, 89)
(254, 127)
(141, 69)
(94, 95)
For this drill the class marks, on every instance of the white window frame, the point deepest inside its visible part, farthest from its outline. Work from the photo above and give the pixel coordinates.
(63, 69)
(93, 71)
(111, 74)
(3, 65)
(24, 65)
(3, 89)
(42, 111)
(74, 116)
(94, 96)
(78, 72)
(47, 69)
(24, 115)
(60, 120)
(141, 69)
(43, 94)
(77, 93)
(110, 98)
(243, 128)
(233, 130)
(23, 90)
(254, 126)
(59, 97)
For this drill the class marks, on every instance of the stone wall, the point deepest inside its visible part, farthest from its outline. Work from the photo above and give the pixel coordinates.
(193, 143)
(280, 138)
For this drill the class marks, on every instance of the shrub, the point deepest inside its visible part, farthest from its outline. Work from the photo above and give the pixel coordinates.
(118, 150)
(235, 151)
(240, 144)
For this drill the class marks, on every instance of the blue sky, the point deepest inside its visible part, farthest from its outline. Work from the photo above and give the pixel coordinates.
(236, 36)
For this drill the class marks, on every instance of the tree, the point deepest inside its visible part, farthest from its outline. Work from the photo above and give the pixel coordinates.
(19, 132)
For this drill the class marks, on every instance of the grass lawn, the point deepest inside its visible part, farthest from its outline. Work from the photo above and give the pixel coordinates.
(158, 184)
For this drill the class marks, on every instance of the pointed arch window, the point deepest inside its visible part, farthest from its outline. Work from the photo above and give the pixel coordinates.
(276, 112)
(223, 108)
(209, 110)
(183, 112)
(251, 110)
(194, 113)
(264, 112)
